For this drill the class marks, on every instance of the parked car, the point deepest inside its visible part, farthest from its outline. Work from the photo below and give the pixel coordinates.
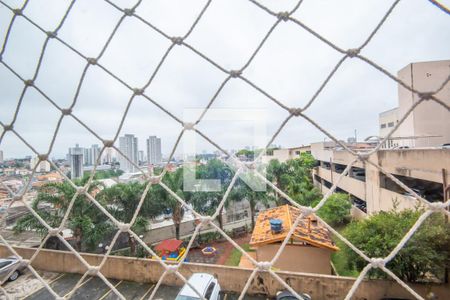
(286, 295)
(8, 264)
(206, 284)
(446, 146)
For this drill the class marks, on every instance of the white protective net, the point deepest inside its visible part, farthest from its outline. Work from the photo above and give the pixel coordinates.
(239, 74)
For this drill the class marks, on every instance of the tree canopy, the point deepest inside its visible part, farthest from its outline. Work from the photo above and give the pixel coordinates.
(425, 255)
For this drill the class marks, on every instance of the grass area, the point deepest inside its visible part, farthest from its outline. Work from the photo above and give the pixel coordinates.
(235, 256)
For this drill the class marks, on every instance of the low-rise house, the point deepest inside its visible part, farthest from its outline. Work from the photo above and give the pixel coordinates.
(309, 249)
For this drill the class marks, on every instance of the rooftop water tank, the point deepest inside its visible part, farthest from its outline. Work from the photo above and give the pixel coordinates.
(276, 225)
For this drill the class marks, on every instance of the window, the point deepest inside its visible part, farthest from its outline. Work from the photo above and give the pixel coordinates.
(383, 126)
(210, 290)
(4, 264)
(391, 124)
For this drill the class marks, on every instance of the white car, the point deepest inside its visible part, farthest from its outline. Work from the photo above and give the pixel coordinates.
(204, 283)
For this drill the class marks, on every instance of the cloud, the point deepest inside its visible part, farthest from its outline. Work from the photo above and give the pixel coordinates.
(291, 66)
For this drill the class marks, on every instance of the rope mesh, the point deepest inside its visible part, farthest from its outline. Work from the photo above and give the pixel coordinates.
(152, 179)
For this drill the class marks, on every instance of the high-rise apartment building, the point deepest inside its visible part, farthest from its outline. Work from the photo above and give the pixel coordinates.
(128, 146)
(154, 155)
(87, 157)
(1, 156)
(141, 156)
(42, 167)
(428, 125)
(76, 161)
(95, 153)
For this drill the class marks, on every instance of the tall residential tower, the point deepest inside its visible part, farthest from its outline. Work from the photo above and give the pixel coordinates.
(128, 146)
(154, 150)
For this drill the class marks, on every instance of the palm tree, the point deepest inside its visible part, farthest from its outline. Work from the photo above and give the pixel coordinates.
(123, 200)
(243, 192)
(206, 202)
(86, 222)
(159, 195)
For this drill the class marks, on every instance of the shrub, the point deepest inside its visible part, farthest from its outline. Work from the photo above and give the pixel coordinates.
(336, 211)
(425, 255)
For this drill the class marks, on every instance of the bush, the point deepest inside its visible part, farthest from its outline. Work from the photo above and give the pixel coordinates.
(425, 256)
(336, 211)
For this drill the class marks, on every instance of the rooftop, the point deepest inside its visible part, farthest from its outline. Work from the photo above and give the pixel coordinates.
(308, 229)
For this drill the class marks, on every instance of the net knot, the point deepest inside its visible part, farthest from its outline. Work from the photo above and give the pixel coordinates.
(352, 52)
(17, 11)
(377, 263)
(43, 157)
(92, 60)
(437, 206)
(172, 268)
(25, 262)
(81, 190)
(295, 111)
(283, 15)
(93, 270)
(17, 198)
(177, 40)
(138, 91)
(29, 82)
(264, 265)
(363, 156)
(123, 227)
(155, 179)
(251, 165)
(188, 126)
(235, 73)
(108, 143)
(306, 211)
(205, 220)
(8, 127)
(426, 95)
(51, 34)
(53, 231)
(128, 11)
(66, 111)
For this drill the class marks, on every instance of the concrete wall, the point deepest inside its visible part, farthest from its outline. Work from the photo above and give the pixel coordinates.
(429, 118)
(351, 185)
(297, 258)
(320, 287)
(425, 164)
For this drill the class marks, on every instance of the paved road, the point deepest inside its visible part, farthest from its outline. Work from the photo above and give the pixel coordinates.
(95, 288)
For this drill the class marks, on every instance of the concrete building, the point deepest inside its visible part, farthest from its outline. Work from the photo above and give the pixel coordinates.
(428, 125)
(309, 249)
(43, 166)
(372, 191)
(76, 162)
(141, 156)
(285, 154)
(109, 156)
(1, 156)
(95, 153)
(128, 146)
(154, 150)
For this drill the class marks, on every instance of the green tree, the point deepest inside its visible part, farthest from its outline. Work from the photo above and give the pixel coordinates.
(206, 202)
(426, 254)
(174, 181)
(123, 200)
(336, 211)
(244, 192)
(88, 224)
(294, 177)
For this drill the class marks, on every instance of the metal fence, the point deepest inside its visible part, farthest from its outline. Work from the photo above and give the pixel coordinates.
(151, 179)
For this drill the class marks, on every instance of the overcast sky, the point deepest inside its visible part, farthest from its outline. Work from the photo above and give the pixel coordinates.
(291, 66)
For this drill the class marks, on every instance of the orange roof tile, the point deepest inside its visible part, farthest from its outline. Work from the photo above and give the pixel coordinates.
(308, 229)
